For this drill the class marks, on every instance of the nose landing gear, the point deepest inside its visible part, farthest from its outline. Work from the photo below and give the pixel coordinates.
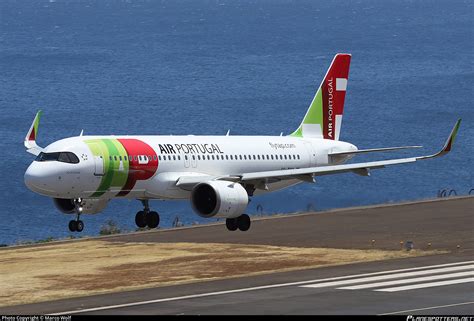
(77, 225)
(146, 217)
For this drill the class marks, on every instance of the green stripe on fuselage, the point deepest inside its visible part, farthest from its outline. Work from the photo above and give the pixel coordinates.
(120, 167)
(114, 174)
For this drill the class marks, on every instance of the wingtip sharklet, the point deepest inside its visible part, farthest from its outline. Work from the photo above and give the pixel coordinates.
(449, 142)
(30, 138)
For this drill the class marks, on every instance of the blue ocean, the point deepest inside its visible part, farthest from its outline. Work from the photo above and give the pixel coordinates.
(203, 67)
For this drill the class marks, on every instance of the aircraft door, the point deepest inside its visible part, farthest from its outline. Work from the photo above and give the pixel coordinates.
(99, 166)
(311, 153)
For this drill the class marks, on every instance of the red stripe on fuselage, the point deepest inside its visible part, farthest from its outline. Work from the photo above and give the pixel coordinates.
(136, 171)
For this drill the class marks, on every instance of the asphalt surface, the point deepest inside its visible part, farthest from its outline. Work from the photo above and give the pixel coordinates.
(440, 284)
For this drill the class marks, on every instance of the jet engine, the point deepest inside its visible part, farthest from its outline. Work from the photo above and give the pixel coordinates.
(89, 206)
(64, 205)
(219, 199)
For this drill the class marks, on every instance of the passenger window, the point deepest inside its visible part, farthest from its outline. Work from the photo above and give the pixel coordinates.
(255, 158)
(199, 157)
(227, 157)
(174, 157)
(298, 156)
(120, 157)
(125, 158)
(110, 157)
(194, 158)
(115, 158)
(208, 157)
(154, 157)
(179, 157)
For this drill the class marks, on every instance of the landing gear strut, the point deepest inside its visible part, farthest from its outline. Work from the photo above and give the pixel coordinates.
(77, 225)
(146, 217)
(242, 223)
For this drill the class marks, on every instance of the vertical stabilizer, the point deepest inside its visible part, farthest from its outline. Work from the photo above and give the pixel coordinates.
(324, 116)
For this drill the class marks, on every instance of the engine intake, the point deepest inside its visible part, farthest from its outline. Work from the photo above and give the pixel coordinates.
(64, 205)
(219, 199)
(89, 206)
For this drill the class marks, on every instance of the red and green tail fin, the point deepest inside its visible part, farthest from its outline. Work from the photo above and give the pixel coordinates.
(324, 116)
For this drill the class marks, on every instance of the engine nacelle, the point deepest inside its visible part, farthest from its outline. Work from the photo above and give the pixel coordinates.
(64, 205)
(219, 199)
(89, 206)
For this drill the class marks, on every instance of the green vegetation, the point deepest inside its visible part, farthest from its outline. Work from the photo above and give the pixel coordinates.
(46, 240)
(110, 227)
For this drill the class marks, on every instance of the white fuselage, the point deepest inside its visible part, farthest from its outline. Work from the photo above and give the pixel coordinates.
(147, 167)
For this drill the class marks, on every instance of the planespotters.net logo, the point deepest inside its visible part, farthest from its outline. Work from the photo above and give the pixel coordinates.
(438, 318)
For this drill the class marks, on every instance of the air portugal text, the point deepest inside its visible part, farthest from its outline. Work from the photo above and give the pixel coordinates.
(190, 149)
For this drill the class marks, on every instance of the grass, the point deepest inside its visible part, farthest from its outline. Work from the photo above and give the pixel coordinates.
(56, 271)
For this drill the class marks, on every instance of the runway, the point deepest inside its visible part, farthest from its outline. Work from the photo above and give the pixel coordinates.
(434, 284)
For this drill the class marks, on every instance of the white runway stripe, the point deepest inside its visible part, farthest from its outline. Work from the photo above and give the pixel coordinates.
(426, 285)
(388, 277)
(411, 280)
(249, 289)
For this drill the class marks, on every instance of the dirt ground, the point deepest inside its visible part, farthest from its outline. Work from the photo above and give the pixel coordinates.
(56, 271)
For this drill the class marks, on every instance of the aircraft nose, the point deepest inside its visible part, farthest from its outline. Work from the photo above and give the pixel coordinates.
(34, 178)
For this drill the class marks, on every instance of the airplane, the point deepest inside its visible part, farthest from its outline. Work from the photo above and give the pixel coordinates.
(217, 174)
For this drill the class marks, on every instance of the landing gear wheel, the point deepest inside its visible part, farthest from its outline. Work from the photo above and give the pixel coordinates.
(231, 224)
(79, 226)
(73, 226)
(243, 222)
(140, 219)
(152, 219)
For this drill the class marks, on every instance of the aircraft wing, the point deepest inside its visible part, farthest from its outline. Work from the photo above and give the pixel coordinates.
(307, 174)
(188, 182)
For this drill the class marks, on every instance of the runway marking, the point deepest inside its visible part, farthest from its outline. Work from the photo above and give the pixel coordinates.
(412, 280)
(209, 294)
(389, 276)
(428, 308)
(426, 285)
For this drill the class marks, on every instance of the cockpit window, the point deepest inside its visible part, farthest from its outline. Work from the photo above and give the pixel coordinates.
(65, 157)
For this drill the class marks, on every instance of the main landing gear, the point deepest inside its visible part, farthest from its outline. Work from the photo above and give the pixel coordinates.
(241, 222)
(77, 225)
(146, 217)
